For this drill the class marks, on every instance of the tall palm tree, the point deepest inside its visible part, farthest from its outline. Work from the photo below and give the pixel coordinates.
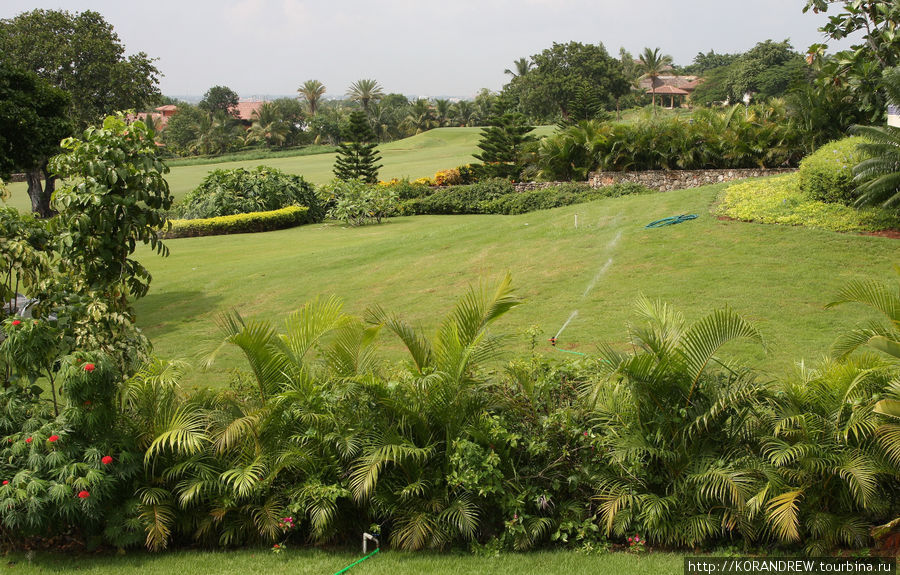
(268, 126)
(365, 91)
(878, 177)
(312, 91)
(420, 117)
(442, 107)
(522, 66)
(652, 65)
(464, 112)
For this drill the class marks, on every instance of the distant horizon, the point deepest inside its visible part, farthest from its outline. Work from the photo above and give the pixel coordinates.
(426, 48)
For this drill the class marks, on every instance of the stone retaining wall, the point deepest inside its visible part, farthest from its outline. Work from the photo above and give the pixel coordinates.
(664, 180)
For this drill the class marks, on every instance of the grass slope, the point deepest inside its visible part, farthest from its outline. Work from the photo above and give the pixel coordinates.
(781, 277)
(415, 157)
(313, 562)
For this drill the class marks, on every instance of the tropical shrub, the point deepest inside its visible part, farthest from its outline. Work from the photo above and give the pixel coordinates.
(755, 137)
(406, 190)
(357, 203)
(471, 199)
(827, 174)
(779, 200)
(878, 176)
(241, 191)
(253, 222)
(676, 425)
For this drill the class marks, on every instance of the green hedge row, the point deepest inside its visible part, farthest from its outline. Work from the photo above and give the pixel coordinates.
(238, 224)
(500, 197)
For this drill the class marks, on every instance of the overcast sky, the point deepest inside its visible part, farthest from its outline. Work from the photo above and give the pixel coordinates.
(415, 47)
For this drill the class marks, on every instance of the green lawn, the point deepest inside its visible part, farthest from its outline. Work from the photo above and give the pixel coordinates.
(297, 562)
(781, 277)
(415, 157)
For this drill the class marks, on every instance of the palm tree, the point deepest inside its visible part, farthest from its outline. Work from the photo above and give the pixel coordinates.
(878, 177)
(652, 65)
(268, 126)
(464, 112)
(365, 91)
(420, 117)
(442, 107)
(443, 399)
(676, 416)
(522, 67)
(312, 91)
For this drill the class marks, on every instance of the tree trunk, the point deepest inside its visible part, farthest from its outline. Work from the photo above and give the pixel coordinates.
(39, 193)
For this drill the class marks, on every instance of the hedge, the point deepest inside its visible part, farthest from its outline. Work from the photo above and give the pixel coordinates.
(238, 224)
(500, 197)
(780, 200)
(827, 174)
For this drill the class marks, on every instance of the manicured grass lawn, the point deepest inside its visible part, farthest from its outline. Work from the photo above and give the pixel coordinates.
(301, 562)
(781, 277)
(416, 157)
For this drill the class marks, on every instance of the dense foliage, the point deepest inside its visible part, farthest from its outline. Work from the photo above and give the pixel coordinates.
(357, 203)
(737, 137)
(878, 174)
(780, 200)
(242, 191)
(503, 146)
(498, 196)
(827, 174)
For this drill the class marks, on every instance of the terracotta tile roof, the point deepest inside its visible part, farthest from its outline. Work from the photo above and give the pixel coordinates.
(683, 82)
(245, 108)
(167, 108)
(668, 90)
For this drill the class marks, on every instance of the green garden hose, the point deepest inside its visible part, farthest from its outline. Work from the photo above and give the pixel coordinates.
(355, 563)
(671, 221)
(569, 351)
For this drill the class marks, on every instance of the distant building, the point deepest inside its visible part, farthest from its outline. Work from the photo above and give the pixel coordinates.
(245, 108)
(893, 116)
(671, 86)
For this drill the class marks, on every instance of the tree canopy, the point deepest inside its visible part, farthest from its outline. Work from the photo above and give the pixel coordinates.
(81, 54)
(549, 88)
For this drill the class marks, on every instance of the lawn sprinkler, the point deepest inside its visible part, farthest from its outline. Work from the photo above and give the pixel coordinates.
(366, 537)
(552, 341)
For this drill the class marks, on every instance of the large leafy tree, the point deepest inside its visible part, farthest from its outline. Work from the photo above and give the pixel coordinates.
(876, 23)
(33, 120)
(549, 87)
(81, 54)
(220, 100)
(652, 64)
(358, 155)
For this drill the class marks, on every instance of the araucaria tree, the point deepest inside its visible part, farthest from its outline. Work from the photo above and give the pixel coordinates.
(358, 155)
(503, 145)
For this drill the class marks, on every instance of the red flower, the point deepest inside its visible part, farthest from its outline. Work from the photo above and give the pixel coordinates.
(5, 482)
(83, 494)
(16, 322)
(87, 401)
(89, 367)
(53, 438)
(276, 546)
(106, 460)
(29, 440)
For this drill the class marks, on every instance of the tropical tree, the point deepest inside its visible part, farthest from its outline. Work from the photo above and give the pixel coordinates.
(463, 112)
(522, 66)
(402, 469)
(82, 55)
(878, 176)
(364, 92)
(269, 126)
(676, 424)
(420, 117)
(220, 100)
(442, 109)
(652, 64)
(312, 91)
(33, 120)
(504, 145)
